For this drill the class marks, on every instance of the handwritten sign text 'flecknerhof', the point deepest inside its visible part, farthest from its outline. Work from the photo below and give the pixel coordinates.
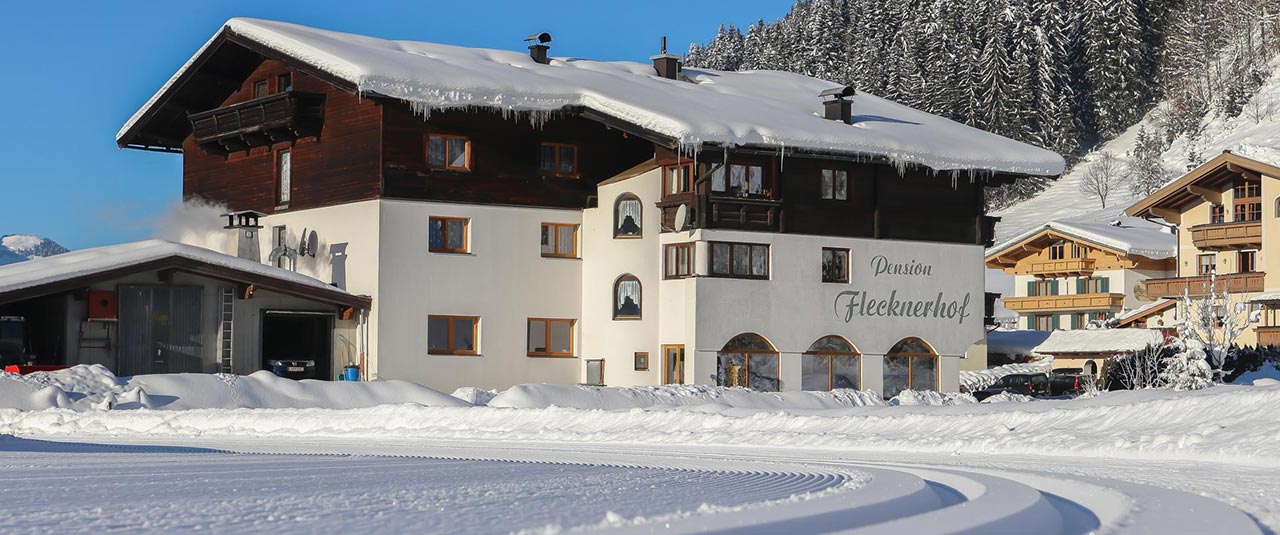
(866, 304)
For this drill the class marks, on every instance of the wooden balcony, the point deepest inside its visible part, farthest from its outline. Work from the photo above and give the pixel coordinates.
(1233, 235)
(1065, 303)
(1063, 268)
(1232, 283)
(714, 211)
(1268, 336)
(259, 122)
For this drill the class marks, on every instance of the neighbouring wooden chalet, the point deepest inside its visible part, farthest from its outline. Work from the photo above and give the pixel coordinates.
(1071, 274)
(1226, 212)
(521, 218)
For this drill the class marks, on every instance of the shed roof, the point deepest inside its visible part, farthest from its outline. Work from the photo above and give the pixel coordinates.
(77, 269)
(1099, 341)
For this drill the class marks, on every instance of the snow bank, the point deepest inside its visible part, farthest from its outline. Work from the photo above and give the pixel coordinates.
(1237, 424)
(756, 108)
(1100, 341)
(95, 387)
(975, 380)
(666, 396)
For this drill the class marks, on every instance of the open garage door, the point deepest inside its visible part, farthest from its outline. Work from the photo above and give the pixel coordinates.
(159, 330)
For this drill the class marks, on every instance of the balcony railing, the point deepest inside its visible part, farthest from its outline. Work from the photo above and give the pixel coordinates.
(259, 122)
(1233, 235)
(1268, 336)
(1065, 303)
(715, 211)
(1232, 283)
(1063, 268)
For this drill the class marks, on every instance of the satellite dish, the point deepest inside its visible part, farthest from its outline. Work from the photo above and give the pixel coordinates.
(682, 217)
(311, 243)
(302, 242)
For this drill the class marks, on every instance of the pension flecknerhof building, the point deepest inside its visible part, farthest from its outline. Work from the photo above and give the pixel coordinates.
(522, 218)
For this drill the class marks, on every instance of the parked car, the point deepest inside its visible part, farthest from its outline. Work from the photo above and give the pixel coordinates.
(1027, 384)
(294, 369)
(1068, 382)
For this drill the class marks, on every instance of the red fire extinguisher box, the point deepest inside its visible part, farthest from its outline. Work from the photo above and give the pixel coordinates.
(102, 305)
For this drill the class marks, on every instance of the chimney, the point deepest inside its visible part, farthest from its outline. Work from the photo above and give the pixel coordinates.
(667, 65)
(243, 242)
(538, 50)
(838, 106)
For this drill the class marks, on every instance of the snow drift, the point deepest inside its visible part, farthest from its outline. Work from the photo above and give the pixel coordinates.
(95, 387)
(536, 396)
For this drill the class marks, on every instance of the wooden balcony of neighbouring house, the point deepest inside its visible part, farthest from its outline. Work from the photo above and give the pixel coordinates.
(1268, 335)
(1200, 285)
(1065, 303)
(260, 122)
(1232, 235)
(1070, 267)
(725, 212)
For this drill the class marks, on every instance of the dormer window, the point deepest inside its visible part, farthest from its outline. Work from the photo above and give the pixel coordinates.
(284, 83)
(452, 153)
(559, 159)
(1217, 214)
(260, 89)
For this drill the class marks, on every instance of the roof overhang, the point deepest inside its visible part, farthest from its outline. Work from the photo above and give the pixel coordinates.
(1008, 256)
(335, 297)
(1204, 183)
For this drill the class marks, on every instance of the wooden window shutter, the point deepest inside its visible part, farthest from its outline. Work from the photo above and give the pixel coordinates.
(1106, 284)
(1031, 288)
(1074, 324)
(1053, 321)
(1080, 286)
(1053, 287)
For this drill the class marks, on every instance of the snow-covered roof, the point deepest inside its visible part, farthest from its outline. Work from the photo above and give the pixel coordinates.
(1143, 310)
(1014, 342)
(1107, 228)
(1265, 298)
(1099, 341)
(769, 109)
(86, 263)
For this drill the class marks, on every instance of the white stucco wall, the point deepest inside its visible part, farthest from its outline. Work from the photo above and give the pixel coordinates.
(606, 258)
(503, 279)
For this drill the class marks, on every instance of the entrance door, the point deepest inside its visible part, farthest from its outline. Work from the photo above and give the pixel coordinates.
(299, 336)
(160, 330)
(672, 364)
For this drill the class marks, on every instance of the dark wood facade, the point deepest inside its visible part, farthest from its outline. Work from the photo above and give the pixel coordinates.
(373, 147)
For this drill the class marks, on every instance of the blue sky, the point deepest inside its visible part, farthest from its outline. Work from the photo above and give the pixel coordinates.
(75, 71)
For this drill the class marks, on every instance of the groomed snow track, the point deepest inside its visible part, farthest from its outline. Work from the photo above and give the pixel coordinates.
(715, 491)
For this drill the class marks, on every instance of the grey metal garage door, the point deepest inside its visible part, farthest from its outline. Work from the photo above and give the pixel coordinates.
(159, 330)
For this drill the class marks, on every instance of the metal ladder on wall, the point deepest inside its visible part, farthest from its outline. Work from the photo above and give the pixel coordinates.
(226, 320)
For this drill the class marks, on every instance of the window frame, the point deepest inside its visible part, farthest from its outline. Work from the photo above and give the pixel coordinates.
(639, 304)
(846, 275)
(280, 82)
(666, 364)
(452, 350)
(711, 260)
(829, 356)
(466, 235)
(266, 89)
(687, 181)
(835, 175)
(748, 353)
(1252, 255)
(282, 197)
(617, 203)
(547, 322)
(641, 361)
(555, 163)
(1058, 250)
(426, 148)
(690, 260)
(555, 243)
(1217, 213)
(911, 370)
(1213, 264)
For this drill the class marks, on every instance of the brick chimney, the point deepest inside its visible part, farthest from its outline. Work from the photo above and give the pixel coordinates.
(838, 105)
(667, 65)
(538, 50)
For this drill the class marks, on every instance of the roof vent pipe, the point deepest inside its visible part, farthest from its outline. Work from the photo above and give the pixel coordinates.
(667, 65)
(838, 106)
(538, 50)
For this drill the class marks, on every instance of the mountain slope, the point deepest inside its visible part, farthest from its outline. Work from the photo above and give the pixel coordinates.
(22, 247)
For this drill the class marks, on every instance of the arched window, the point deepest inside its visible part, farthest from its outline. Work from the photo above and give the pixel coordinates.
(748, 360)
(627, 217)
(911, 364)
(626, 298)
(831, 362)
(1277, 206)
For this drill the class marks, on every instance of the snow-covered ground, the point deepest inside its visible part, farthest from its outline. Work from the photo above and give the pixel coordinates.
(555, 459)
